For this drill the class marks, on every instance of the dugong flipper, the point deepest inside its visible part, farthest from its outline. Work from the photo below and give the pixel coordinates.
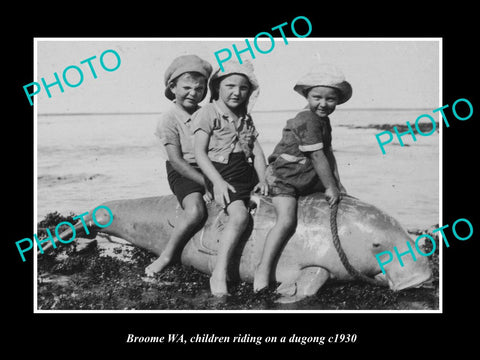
(307, 283)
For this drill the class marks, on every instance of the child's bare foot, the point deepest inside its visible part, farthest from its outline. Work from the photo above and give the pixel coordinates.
(260, 280)
(157, 266)
(218, 286)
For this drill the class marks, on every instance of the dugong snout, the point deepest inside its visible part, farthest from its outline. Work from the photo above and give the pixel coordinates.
(413, 282)
(408, 270)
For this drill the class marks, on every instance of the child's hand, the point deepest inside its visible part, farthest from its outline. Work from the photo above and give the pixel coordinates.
(246, 137)
(333, 195)
(207, 197)
(262, 186)
(221, 195)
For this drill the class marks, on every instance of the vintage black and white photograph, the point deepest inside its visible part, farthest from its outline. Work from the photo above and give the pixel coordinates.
(232, 175)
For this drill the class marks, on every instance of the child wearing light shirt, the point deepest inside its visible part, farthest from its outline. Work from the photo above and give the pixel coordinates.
(186, 85)
(230, 156)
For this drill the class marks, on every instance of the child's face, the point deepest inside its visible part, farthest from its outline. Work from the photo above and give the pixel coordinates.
(234, 90)
(188, 90)
(322, 100)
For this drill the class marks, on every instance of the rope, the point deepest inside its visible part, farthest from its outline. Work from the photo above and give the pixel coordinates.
(338, 246)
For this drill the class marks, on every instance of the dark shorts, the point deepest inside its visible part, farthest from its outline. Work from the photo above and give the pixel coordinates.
(239, 173)
(180, 185)
(280, 186)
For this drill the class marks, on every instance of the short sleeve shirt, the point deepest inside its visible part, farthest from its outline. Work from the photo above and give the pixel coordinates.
(175, 128)
(305, 133)
(224, 132)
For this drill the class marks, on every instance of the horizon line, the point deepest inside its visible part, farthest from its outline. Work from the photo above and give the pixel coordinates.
(254, 111)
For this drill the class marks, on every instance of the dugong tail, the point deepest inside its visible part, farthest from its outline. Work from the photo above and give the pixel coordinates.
(85, 227)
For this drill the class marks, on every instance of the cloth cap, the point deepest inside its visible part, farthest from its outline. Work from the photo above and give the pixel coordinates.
(183, 64)
(233, 67)
(325, 75)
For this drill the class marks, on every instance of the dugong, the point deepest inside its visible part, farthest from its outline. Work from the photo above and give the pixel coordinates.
(305, 262)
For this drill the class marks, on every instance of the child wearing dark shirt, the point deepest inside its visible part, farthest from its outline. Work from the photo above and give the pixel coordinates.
(303, 161)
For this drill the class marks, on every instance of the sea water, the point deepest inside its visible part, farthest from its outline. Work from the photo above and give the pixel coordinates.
(84, 160)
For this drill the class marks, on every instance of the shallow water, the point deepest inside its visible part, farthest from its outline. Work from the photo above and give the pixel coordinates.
(84, 160)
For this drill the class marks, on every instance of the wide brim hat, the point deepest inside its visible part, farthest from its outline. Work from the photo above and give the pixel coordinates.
(234, 67)
(182, 65)
(325, 75)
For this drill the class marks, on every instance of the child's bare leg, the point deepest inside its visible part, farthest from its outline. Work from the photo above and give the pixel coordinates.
(193, 215)
(233, 231)
(286, 209)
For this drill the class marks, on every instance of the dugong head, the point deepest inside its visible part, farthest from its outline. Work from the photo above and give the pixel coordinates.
(376, 243)
(398, 258)
(395, 253)
(373, 241)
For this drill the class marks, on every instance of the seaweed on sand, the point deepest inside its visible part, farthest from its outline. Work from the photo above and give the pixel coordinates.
(88, 280)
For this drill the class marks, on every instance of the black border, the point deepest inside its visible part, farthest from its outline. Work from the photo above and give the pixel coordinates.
(396, 333)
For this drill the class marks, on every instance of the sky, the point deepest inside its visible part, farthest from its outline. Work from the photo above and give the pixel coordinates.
(384, 73)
